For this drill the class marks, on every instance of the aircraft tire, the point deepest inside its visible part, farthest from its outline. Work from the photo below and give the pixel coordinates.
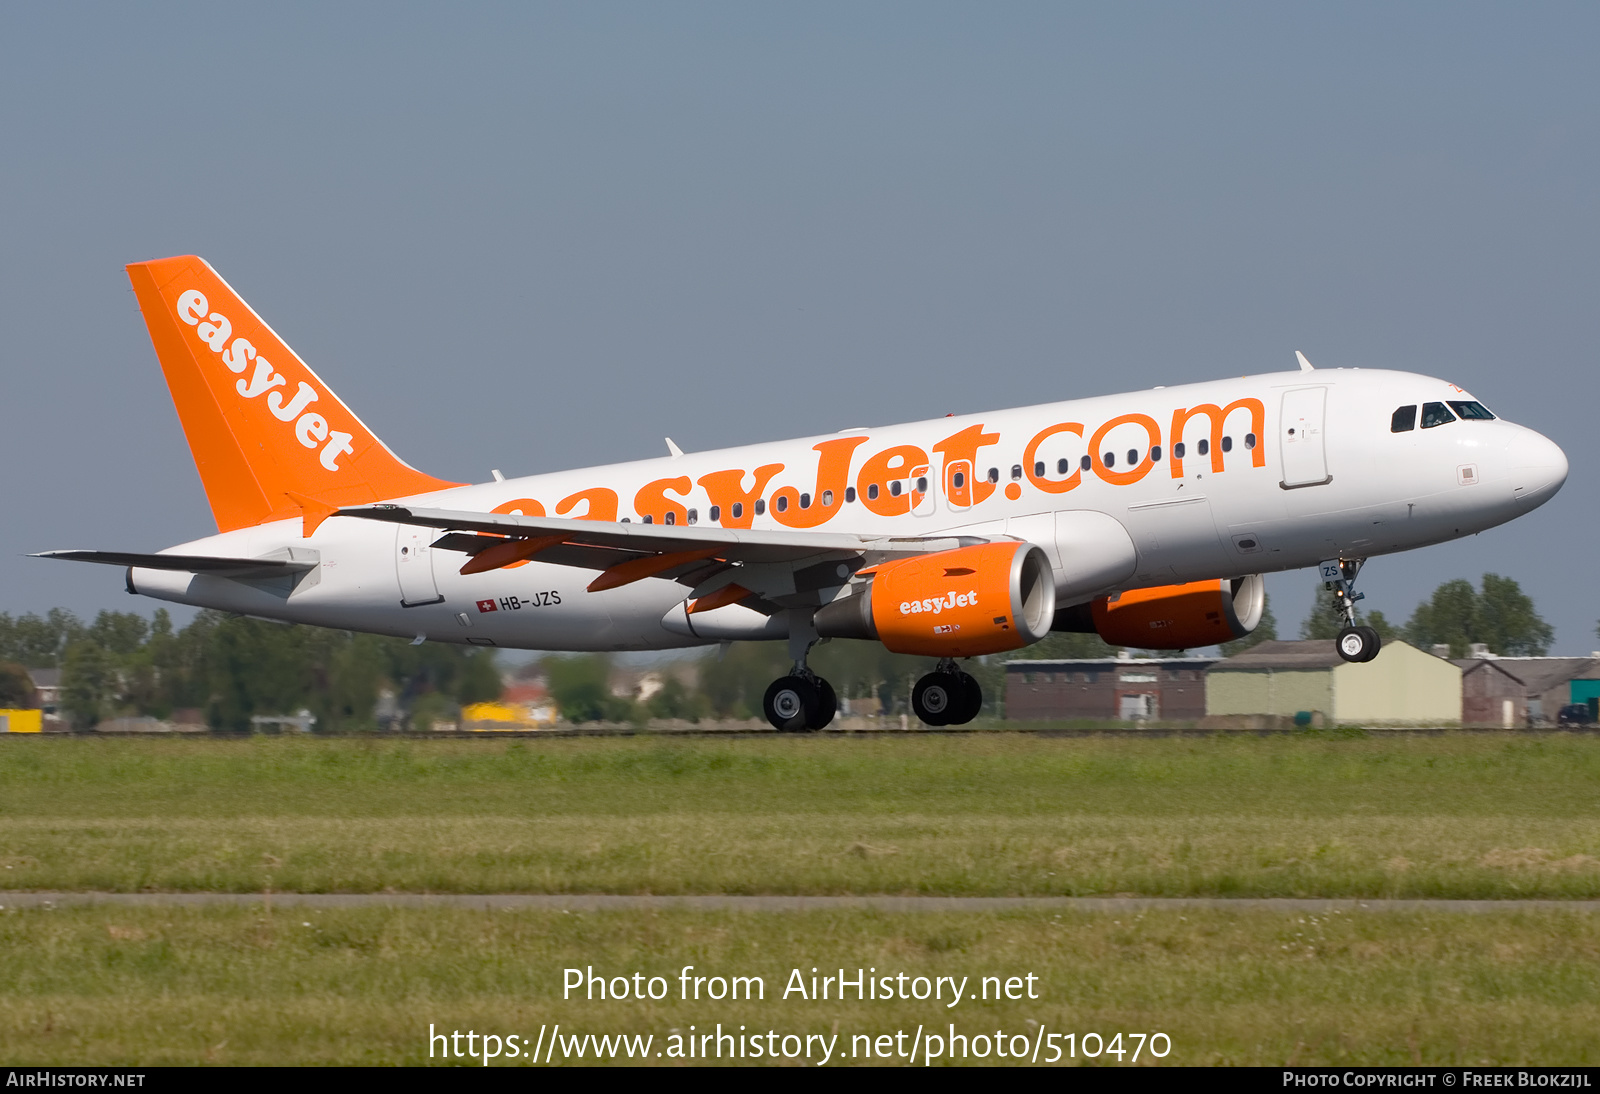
(1377, 643)
(827, 706)
(791, 704)
(937, 698)
(969, 701)
(1357, 644)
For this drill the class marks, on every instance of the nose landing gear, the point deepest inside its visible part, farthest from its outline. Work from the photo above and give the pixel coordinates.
(947, 696)
(1354, 643)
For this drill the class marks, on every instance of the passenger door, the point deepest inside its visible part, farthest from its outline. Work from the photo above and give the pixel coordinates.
(1300, 438)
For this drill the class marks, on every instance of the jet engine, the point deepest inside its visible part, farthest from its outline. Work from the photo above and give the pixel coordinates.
(960, 603)
(1181, 617)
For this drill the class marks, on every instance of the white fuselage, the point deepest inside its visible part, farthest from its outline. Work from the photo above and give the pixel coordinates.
(1340, 485)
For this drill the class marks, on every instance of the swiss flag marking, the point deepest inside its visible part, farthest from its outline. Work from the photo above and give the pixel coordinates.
(487, 606)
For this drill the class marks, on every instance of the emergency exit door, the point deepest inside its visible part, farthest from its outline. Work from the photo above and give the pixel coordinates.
(413, 566)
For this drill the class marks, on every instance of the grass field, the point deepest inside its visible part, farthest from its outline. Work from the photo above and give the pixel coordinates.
(991, 814)
(108, 985)
(1453, 816)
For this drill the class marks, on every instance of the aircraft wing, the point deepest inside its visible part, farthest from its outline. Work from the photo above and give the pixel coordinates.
(729, 544)
(767, 570)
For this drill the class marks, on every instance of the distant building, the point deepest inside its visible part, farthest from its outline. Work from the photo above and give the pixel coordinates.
(1402, 685)
(1129, 689)
(1525, 691)
(47, 690)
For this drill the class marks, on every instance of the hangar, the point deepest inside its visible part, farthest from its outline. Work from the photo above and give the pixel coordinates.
(1402, 685)
(1525, 691)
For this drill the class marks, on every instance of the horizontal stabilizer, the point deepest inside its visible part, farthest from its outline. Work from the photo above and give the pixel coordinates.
(195, 564)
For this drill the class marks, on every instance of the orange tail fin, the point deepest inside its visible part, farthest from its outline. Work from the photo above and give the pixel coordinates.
(267, 434)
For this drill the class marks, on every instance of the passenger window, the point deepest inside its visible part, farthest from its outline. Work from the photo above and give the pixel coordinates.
(761, 506)
(671, 518)
(1110, 459)
(780, 503)
(1404, 420)
(895, 488)
(1087, 463)
(872, 491)
(1227, 444)
(1249, 440)
(959, 479)
(1062, 465)
(827, 499)
(994, 474)
(1178, 450)
(1203, 447)
(1435, 414)
(1133, 457)
(1155, 454)
(716, 513)
(1474, 412)
(738, 510)
(805, 501)
(922, 485)
(694, 516)
(1016, 471)
(849, 493)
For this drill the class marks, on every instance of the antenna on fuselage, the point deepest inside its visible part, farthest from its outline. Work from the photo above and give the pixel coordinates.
(1305, 366)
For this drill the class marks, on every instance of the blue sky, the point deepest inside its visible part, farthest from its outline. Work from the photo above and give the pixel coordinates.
(542, 236)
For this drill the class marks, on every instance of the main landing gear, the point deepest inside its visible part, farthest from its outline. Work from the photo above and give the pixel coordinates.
(947, 696)
(802, 700)
(1354, 643)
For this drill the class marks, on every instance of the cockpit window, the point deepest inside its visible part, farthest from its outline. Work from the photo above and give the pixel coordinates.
(1435, 414)
(1472, 412)
(1404, 420)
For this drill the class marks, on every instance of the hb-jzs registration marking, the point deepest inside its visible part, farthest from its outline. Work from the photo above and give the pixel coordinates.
(548, 598)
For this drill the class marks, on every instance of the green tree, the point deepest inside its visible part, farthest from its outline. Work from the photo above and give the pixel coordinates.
(16, 688)
(1501, 617)
(1380, 623)
(677, 700)
(1448, 618)
(88, 683)
(734, 678)
(581, 688)
(1508, 622)
(1266, 631)
(38, 643)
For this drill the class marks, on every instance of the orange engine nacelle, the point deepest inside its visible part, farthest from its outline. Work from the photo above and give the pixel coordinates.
(960, 603)
(1182, 617)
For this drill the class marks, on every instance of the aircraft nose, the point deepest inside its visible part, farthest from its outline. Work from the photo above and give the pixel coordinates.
(1539, 468)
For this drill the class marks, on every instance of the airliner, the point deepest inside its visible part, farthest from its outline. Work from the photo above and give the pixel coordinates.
(1146, 517)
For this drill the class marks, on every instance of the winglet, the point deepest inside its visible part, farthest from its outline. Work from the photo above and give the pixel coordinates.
(673, 448)
(1305, 366)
